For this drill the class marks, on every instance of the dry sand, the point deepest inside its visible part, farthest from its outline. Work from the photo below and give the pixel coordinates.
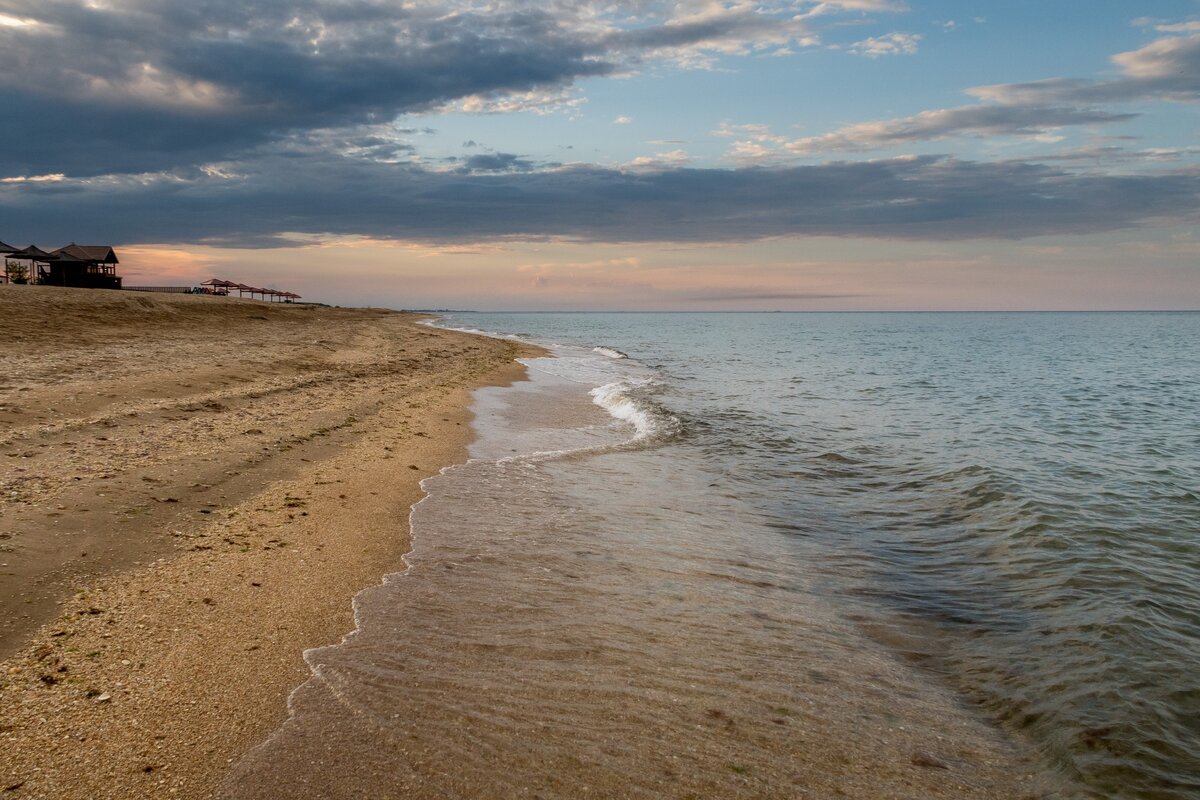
(191, 491)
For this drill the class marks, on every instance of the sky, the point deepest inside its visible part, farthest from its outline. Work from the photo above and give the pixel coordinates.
(620, 155)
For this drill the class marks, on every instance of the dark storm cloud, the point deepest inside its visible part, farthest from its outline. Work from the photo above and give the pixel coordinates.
(916, 198)
(145, 85)
(151, 85)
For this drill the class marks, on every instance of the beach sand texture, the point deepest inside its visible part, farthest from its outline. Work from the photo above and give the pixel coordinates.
(191, 491)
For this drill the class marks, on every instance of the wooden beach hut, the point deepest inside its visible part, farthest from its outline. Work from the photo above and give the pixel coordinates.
(84, 266)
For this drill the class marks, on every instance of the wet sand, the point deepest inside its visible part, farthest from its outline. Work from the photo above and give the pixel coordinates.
(191, 491)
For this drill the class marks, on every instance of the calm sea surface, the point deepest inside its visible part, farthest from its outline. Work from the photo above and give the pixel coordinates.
(686, 527)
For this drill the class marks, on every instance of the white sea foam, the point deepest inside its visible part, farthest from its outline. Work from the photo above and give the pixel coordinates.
(625, 400)
(443, 324)
(624, 396)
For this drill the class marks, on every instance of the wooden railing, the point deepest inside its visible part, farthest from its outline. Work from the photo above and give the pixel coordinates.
(163, 289)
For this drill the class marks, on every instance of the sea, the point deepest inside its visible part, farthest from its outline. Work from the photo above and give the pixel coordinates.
(788, 555)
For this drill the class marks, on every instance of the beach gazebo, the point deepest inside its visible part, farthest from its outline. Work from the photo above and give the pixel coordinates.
(219, 284)
(6, 250)
(37, 268)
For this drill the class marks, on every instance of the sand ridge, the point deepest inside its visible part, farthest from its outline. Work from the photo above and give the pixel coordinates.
(234, 472)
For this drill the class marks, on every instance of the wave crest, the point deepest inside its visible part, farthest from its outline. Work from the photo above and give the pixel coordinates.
(629, 400)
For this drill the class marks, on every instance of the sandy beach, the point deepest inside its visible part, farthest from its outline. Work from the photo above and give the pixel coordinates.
(191, 491)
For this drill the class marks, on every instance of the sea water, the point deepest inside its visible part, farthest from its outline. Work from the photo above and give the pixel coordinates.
(771, 555)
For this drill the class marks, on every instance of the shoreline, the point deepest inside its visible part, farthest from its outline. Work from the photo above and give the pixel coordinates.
(433, 691)
(175, 651)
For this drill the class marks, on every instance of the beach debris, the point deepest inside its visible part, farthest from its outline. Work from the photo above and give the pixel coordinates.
(921, 759)
(103, 698)
(12, 787)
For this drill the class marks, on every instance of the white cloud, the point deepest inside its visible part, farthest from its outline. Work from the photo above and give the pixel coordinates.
(622, 120)
(672, 159)
(536, 102)
(1166, 69)
(835, 6)
(1190, 26)
(979, 120)
(1180, 27)
(891, 44)
(751, 131)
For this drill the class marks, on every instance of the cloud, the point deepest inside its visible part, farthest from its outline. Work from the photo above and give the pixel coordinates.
(659, 161)
(538, 102)
(1165, 69)
(979, 120)
(1165, 26)
(496, 162)
(1180, 27)
(622, 120)
(836, 6)
(92, 88)
(1112, 155)
(892, 44)
(735, 296)
(927, 198)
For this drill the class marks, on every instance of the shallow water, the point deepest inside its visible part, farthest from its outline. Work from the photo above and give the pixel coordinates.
(769, 530)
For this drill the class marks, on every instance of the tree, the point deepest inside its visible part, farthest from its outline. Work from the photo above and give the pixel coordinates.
(16, 272)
